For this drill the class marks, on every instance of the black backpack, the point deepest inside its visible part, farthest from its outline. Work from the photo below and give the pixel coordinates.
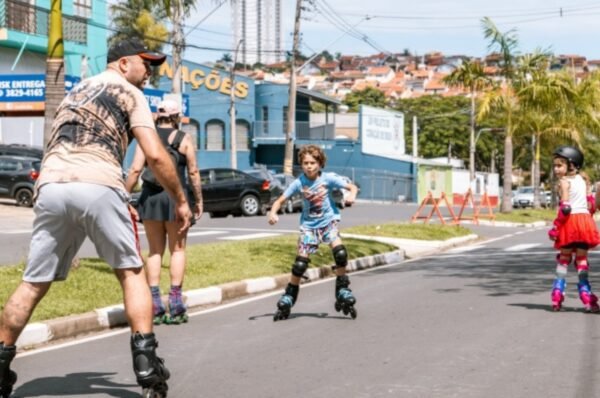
(173, 150)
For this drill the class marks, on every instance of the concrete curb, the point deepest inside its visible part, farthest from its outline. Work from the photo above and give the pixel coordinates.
(114, 316)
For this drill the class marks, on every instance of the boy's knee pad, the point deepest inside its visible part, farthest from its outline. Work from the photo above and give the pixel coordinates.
(300, 266)
(340, 255)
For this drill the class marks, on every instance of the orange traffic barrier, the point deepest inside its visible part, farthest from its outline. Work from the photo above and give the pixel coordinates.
(484, 202)
(435, 202)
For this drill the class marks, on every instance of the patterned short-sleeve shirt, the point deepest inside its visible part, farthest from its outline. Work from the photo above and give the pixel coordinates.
(319, 208)
(92, 129)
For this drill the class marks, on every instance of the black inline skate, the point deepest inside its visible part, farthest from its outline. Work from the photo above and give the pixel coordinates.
(8, 378)
(344, 299)
(150, 371)
(286, 302)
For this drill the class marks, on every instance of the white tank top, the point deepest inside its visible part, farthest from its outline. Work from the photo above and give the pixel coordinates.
(577, 194)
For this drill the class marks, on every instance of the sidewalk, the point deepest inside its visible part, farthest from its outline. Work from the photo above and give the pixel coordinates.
(114, 316)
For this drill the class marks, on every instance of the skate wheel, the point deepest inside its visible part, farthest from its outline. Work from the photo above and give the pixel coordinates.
(338, 306)
(353, 312)
(157, 391)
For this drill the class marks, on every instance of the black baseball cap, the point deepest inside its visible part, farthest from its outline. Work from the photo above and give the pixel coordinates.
(134, 46)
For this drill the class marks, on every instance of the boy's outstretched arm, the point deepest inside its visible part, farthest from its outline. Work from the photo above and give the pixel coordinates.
(353, 192)
(273, 217)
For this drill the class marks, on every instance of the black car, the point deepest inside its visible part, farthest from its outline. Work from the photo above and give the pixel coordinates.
(21, 150)
(229, 191)
(275, 187)
(295, 202)
(17, 178)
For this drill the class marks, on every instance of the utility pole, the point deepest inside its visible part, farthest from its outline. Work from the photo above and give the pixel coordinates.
(288, 160)
(415, 137)
(232, 118)
(178, 44)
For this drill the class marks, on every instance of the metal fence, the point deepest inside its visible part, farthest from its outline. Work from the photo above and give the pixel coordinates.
(374, 184)
(304, 131)
(27, 18)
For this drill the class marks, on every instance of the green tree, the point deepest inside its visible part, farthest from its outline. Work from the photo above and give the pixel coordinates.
(369, 96)
(471, 76)
(142, 19)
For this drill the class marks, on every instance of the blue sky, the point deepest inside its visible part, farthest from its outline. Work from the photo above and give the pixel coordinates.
(421, 27)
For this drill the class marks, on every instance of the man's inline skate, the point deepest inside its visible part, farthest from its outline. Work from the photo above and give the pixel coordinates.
(150, 371)
(8, 378)
(344, 299)
(286, 302)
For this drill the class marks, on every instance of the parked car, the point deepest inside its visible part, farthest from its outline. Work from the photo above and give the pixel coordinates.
(229, 191)
(275, 186)
(17, 178)
(340, 195)
(524, 198)
(20, 150)
(295, 202)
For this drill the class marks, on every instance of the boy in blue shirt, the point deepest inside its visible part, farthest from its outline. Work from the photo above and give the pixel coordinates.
(318, 224)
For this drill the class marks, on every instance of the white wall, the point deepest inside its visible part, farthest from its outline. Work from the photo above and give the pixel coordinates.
(27, 130)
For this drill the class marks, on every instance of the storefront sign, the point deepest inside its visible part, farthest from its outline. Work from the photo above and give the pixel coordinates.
(213, 80)
(27, 92)
(154, 98)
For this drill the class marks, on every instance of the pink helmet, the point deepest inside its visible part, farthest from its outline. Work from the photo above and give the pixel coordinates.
(168, 108)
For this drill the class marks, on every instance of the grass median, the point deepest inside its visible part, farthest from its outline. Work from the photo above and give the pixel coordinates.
(527, 215)
(92, 283)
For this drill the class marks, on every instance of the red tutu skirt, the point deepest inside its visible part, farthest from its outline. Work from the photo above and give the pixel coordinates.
(579, 228)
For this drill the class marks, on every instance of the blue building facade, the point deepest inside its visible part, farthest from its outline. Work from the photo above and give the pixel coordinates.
(261, 118)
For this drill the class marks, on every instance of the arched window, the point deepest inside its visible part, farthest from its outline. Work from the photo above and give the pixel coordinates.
(242, 135)
(215, 135)
(193, 128)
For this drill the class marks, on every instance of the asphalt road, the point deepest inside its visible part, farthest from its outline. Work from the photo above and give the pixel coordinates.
(471, 322)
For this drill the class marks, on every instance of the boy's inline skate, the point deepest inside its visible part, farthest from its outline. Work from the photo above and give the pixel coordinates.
(8, 378)
(558, 294)
(344, 299)
(150, 371)
(286, 302)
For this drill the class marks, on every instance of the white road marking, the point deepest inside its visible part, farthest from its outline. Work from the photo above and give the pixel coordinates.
(205, 233)
(465, 249)
(250, 236)
(522, 247)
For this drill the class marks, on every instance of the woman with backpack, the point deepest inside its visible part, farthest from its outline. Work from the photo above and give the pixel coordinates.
(156, 210)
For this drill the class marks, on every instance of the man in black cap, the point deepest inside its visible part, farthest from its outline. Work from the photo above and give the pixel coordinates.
(81, 192)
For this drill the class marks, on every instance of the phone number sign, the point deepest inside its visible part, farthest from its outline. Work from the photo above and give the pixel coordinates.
(28, 88)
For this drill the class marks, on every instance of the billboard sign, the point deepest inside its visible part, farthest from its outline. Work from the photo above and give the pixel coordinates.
(382, 132)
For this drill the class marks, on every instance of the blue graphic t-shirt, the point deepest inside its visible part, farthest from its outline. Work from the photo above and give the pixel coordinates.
(318, 209)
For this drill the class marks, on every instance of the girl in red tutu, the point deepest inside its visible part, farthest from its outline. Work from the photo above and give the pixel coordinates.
(574, 231)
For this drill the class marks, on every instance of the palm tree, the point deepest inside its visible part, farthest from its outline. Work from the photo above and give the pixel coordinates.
(177, 11)
(503, 99)
(471, 76)
(55, 68)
